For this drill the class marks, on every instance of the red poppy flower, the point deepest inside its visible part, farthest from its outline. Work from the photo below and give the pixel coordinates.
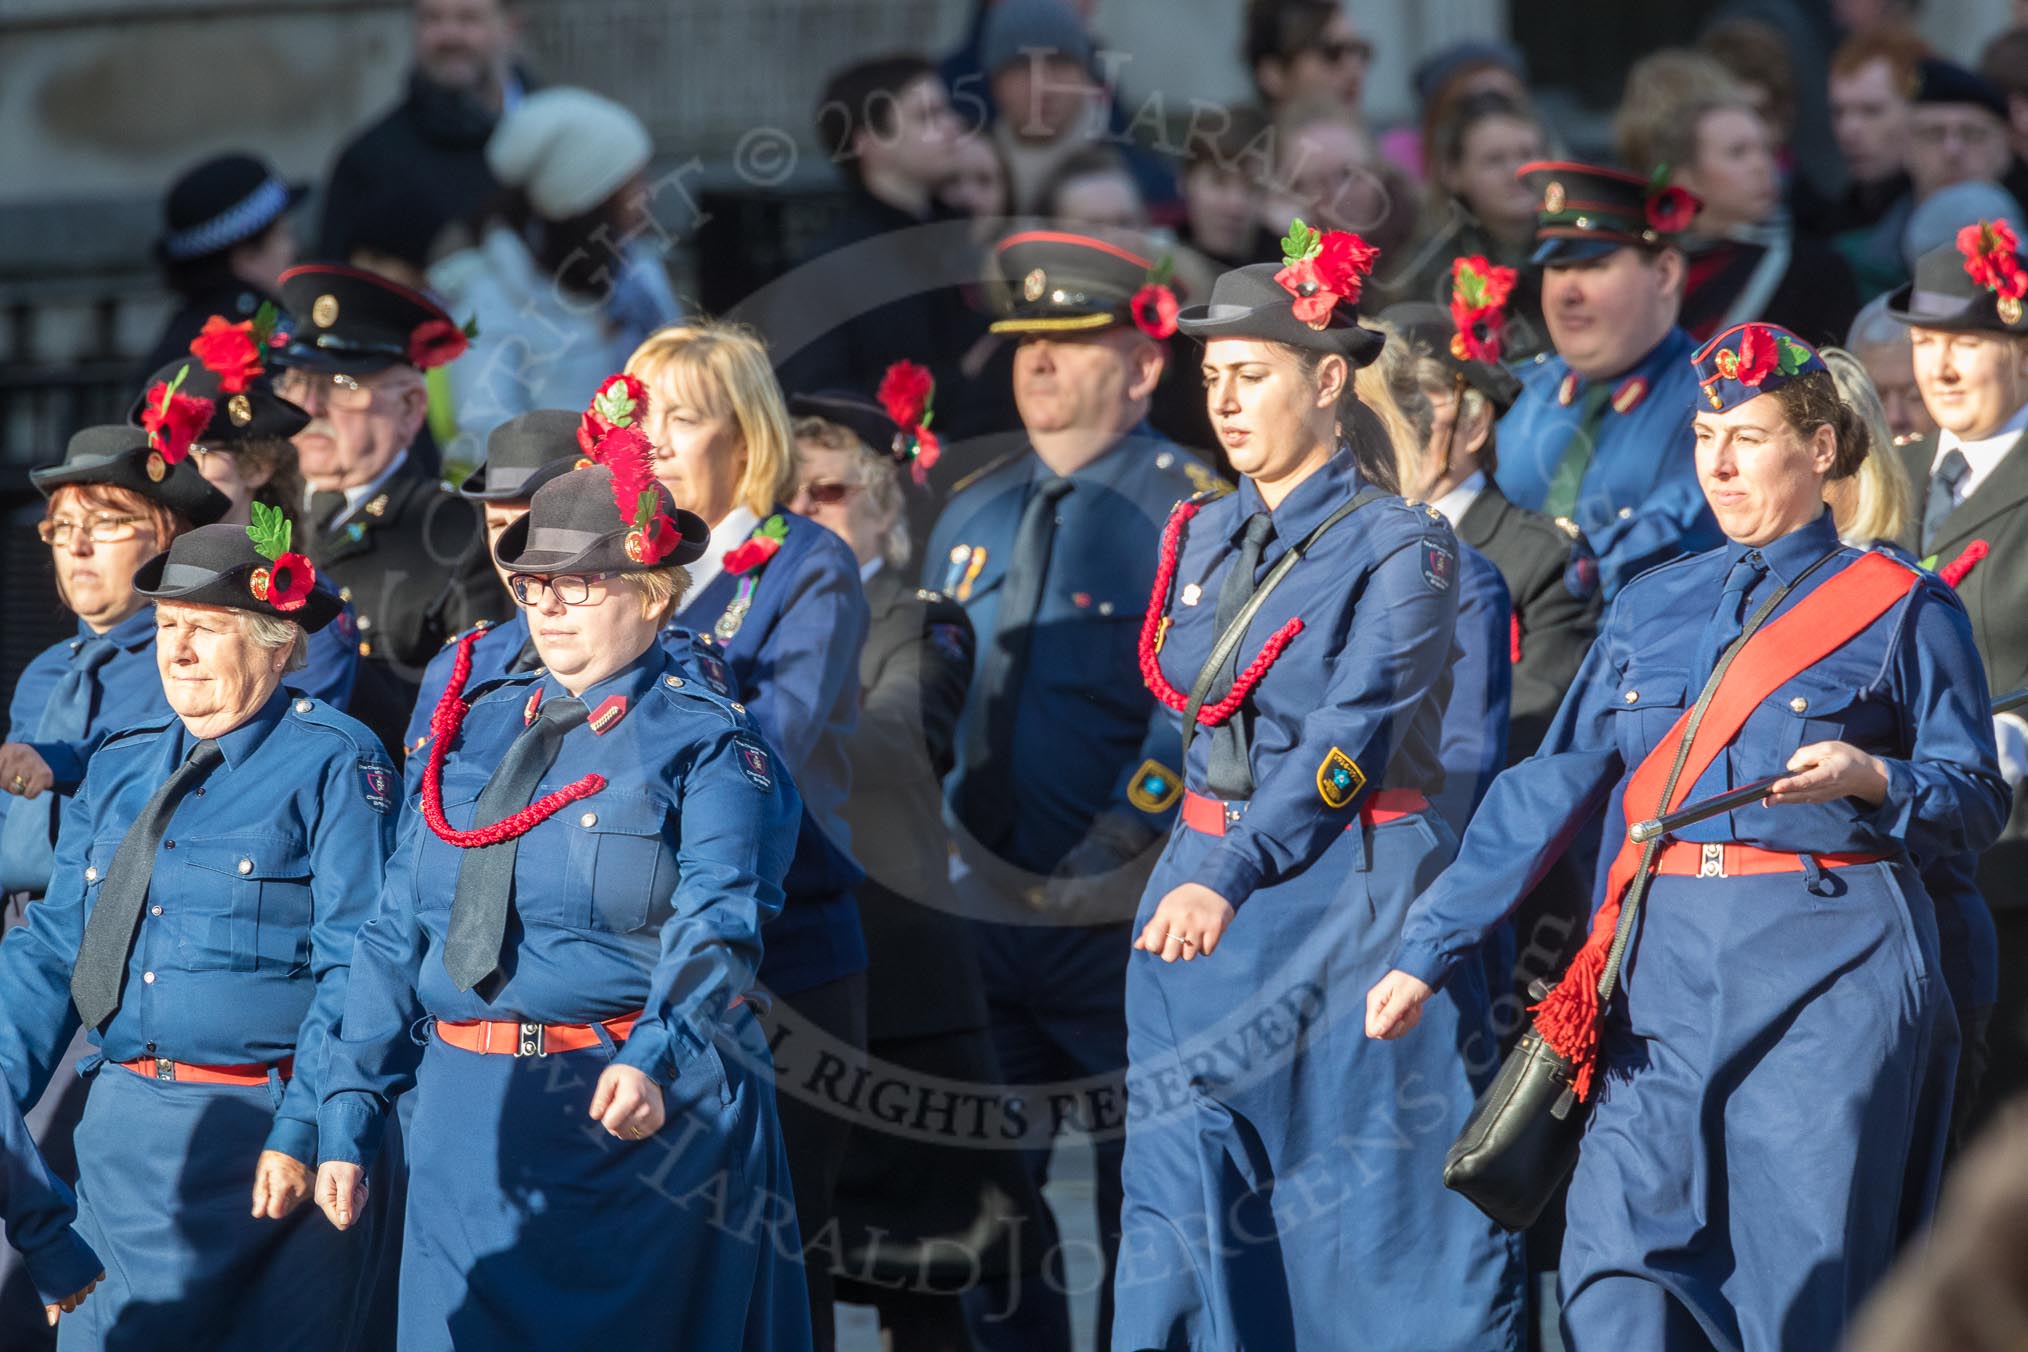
(1992, 259)
(1671, 210)
(621, 401)
(1343, 260)
(1479, 293)
(1759, 354)
(1313, 301)
(173, 421)
(290, 581)
(750, 554)
(228, 351)
(1154, 309)
(927, 451)
(905, 392)
(435, 342)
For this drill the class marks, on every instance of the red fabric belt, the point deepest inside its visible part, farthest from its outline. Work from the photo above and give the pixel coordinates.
(1689, 859)
(161, 1068)
(1208, 815)
(492, 1037)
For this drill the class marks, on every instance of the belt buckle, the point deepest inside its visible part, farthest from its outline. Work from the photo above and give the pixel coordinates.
(165, 1069)
(530, 1040)
(1233, 812)
(1711, 864)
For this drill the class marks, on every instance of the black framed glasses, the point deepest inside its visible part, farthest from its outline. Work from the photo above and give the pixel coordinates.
(103, 529)
(572, 589)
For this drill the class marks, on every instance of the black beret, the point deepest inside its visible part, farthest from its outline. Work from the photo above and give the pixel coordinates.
(116, 454)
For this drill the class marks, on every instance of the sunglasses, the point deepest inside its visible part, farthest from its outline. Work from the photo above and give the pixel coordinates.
(828, 492)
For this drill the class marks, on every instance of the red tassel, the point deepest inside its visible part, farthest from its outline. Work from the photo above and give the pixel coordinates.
(1954, 572)
(1514, 639)
(1568, 1016)
(1211, 715)
(445, 721)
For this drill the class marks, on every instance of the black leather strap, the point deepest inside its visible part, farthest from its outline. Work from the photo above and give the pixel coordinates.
(1222, 649)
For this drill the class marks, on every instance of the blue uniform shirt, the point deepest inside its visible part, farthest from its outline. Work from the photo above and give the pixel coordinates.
(1639, 503)
(38, 1210)
(794, 663)
(263, 876)
(1360, 690)
(330, 660)
(1909, 688)
(1084, 724)
(648, 895)
(495, 656)
(1482, 683)
(128, 691)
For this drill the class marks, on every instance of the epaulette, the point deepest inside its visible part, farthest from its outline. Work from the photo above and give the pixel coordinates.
(506, 680)
(319, 714)
(1206, 483)
(133, 733)
(479, 628)
(998, 462)
(678, 690)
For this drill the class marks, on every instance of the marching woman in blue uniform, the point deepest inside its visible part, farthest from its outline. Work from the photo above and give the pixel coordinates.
(198, 926)
(574, 916)
(783, 600)
(1280, 1176)
(1770, 1061)
(114, 502)
(243, 450)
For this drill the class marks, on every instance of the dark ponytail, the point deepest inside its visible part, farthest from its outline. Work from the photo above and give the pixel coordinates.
(1359, 426)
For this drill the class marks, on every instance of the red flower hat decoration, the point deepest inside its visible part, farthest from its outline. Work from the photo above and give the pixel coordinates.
(437, 342)
(622, 447)
(235, 353)
(907, 392)
(622, 401)
(285, 584)
(1322, 269)
(173, 421)
(1993, 261)
(1479, 293)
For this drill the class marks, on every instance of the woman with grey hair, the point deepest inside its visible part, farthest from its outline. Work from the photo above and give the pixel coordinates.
(199, 927)
(920, 1218)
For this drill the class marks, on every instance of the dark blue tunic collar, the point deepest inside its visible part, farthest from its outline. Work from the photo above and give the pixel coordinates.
(130, 633)
(628, 684)
(1789, 556)
(1308, 503)
(245, 739)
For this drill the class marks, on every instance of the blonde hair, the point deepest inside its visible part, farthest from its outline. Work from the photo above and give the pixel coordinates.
(879, 476)
(1881, 502)
(662, 589)
(722, 369)
(1388, 385)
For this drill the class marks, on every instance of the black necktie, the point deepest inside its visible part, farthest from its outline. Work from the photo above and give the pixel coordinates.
(527, 659)
(1227, 773)
(986, 804)
(325, 505)
(109, 934)
(1943, 495)
(1730, 618)
(486, 873)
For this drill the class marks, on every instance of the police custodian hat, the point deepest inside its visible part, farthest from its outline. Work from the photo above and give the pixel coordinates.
(121, 456)
(220, 565)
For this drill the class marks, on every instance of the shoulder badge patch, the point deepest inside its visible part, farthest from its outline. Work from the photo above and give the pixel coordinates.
(376, 785)
(754, 762)
(1339, 779)
(712, 670)
(1154, 787)
(1438, 563)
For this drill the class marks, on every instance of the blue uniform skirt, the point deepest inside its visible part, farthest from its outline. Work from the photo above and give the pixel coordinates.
(1768, 1125)
(529, 1226)
(165, 1189)
(1283, 1172)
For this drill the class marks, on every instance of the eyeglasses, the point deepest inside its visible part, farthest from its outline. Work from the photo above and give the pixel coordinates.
(1343, 49)
(828, 492)
(337, 389)
(104, 529)
(573, 589)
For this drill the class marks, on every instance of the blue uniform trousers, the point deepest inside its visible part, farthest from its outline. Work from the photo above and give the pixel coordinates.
(165, 1187)
(529, 1226)
(1055, 1001)
(1284, 1172)
(1798, 1098)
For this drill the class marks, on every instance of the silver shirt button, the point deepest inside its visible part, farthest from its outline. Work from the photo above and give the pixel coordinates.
(1799, 704)
(92, 874)
(1633, 697)
(303, 706)
(148, 977)
(588, 819)
(245, 866)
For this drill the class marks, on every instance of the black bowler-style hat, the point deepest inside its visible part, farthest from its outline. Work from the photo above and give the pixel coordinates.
(254, 414)
(119, 455)
(859, 415)
(1249, 303)
(350, 320)
(1586, 211)
(1431, 327)
(222, 202)
(221, 565)
(574, 525)
(523, 454)
(1943, 295)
